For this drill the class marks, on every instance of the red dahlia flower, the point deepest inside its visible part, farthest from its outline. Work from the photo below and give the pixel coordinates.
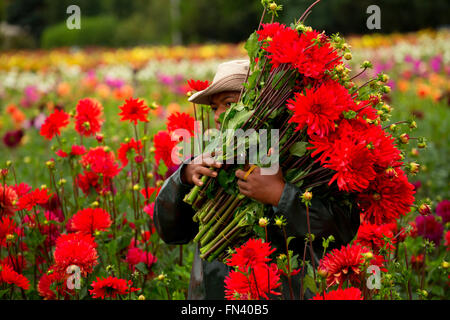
(20, 189)
(7, 226)
(125, 147)
(77, 150)
(101, 162)
(88, 117)
(164, 145)
(254, 285)
(340, 294)
(50, 281)
(54, 123)
(7, 197)
(87, 180)
(8, 275)
(182, 120)
(75, 249)
(429, 228)
(372, 236)
(198, 85)
(134, 111)
(318, 108)
(344, 264)
(443, 210)
(137, 255)
(111, 287)
(35, 197)
(252, 253)
(90, 220)
(386, 199)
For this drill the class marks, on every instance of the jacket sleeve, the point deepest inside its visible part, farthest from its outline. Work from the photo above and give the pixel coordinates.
(172, 216)
(325, 217)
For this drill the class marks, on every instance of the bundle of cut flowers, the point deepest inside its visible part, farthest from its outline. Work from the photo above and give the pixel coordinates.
(332, 137)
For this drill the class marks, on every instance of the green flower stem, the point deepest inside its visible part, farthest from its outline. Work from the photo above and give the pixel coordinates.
(192, 195)
(205, 214)
(223, 247)
(225, 240)
(207, 226)
(203, 209)
(221, 220)
(227, 229)
(212, 213)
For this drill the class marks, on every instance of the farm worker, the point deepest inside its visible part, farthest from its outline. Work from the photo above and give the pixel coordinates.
(173, 217)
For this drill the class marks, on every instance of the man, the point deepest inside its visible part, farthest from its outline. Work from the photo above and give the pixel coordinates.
(173, 217)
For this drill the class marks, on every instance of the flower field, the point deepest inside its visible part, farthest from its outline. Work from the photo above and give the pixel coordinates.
(86, 147)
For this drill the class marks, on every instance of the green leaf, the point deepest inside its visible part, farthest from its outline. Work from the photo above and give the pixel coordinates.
(3, 292)
(298, 149)
(289, 240)
(252, 45)
(162, 168)
(142, 267)
(309, 283)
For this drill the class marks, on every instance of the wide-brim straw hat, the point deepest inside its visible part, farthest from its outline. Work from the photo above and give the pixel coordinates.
(230, 76)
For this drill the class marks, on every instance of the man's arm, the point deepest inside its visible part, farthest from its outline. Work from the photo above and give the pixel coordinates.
(172, 216)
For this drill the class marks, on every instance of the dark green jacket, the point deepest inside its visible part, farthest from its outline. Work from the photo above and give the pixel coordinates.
(174, 224)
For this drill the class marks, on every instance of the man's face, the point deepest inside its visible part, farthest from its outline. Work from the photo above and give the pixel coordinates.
(221, 101)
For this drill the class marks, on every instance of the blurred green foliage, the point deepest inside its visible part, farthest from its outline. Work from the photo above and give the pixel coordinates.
(194, 21)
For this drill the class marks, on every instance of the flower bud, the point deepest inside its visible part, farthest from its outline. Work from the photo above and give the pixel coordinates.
(136, 187)
(10, 237)
(414, 152)
(161, 277)
(414, 167)
(3, 173)
(150, 175)
(95, 204)
(390, 173)
(141, 297)
(445, 264)
(273, 6)
(322, 273)
(347, 56)
(413, 125)
(376, 196)
(8, 163)
(50, 164)
(367, 255)
(424, 209)
(99, 137)
(139, 159)
(404, 138)
(307, 196)
(159, 183)
(263, 222)
(392, 127)
(367, 64)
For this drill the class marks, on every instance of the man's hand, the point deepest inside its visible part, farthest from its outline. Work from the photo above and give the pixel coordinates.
(198, 167)
(263, 188)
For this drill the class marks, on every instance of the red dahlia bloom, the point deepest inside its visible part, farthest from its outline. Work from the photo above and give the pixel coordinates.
(252, 286)
(386, 199)
(88, 180)
(20, 189)
(8, 275)
(198, 85)
(88, 117)
(344, 264)
(137, 255)
(372, 236)
(182, 120)
(317, 110)
(35, 197)
(101, 162)
(7, 226)
(125, 147)
(340, 294)
(111, 287)
(75, 249)
(447, 240)
(54, 123)
(149, 192)
(134, 111)
(77, 150)
(7, 197)
(252, 253)
(50, 281)
(61, 153)
(90, 220)
(164, 145)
